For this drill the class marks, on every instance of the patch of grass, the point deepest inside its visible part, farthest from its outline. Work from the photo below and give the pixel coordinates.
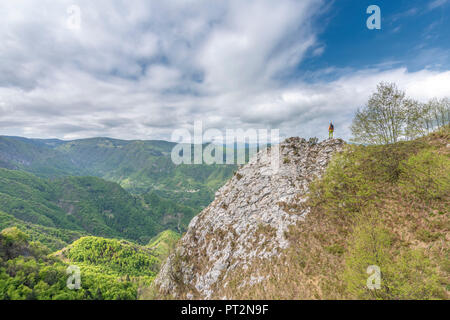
(427, 236)
(426, 174)
(335, 249)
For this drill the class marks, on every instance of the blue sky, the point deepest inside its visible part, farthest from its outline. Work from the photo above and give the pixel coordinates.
(409, 29)
(142, 69)
(413, 35)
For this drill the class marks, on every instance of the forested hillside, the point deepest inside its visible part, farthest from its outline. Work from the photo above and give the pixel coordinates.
(54, 192)
(172, 194)
(52, 238)
(84, 205)
(109, 268)
(138, 166)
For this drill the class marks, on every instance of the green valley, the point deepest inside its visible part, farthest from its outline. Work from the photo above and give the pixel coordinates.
(112, 208)
(171, 194)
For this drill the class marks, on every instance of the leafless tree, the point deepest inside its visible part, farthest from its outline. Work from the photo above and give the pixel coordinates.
(389, 116)
(383, 119)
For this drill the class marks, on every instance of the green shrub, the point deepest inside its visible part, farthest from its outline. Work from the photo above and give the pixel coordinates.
(344, 188)
(13, 235)
(405, 273)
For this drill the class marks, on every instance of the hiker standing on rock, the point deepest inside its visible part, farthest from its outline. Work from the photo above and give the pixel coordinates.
(330, 130)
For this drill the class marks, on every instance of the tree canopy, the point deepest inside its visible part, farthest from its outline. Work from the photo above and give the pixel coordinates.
(390, 116)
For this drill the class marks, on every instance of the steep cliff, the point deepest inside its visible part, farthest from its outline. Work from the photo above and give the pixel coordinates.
(247, 221)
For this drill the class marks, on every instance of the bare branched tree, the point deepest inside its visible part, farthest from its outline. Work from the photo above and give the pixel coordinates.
(415, 125)
(389, 117)
(382, 120)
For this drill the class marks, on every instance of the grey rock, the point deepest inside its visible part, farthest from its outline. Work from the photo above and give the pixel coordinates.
(232, 232)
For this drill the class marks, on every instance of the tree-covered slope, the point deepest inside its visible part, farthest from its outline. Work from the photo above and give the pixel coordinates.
(163, 243)
(111, 255)
(109, 268)
(36, 156)
(53, 238)
(138, 166)
(74, 205)
(104, 208)
(174, 192)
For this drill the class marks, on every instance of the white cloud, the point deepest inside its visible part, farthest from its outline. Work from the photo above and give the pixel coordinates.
(140, 69)
(436, 4)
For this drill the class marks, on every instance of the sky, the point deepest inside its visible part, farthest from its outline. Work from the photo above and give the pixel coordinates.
(143, 69)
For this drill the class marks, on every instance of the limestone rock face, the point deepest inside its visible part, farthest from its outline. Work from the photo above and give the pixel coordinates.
(247, 220)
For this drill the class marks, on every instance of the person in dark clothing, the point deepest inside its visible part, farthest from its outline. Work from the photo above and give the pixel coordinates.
(330, 130)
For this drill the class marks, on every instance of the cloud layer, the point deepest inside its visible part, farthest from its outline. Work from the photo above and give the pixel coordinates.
(141, 69)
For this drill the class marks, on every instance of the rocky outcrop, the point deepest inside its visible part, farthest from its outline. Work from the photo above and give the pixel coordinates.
(246, 221)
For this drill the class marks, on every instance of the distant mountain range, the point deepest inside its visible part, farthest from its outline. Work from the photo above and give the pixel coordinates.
(138, 166)
(59, 190)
